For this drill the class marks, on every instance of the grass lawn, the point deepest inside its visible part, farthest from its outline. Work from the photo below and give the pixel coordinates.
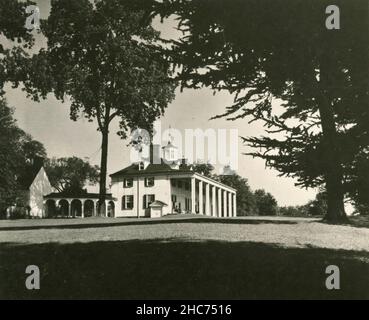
(183, 257)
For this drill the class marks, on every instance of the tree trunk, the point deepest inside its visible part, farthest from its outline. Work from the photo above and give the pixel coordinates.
(103, 171)
(332, 164)
(336, 209)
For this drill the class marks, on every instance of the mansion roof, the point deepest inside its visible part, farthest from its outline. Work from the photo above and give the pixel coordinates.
(163, 168)
(134, 169)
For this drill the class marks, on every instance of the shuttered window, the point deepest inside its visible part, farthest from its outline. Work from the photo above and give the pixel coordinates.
(127, 202)
(147, 199)
(149, 182)
(128, 183)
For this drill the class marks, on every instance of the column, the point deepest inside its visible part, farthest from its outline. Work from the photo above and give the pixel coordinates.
(57, 207)
(230, 214)
(219, 209)
(43, 209)
(224, 203)
(94, 209)
(213, 198)
(83, 208)
(234, 205)
(207, 199)
(74, 212)
(105, 209)
(193, 195)
(69, 208)
(201, 198)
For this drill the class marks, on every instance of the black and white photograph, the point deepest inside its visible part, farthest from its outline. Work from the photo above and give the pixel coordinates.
(184, 150)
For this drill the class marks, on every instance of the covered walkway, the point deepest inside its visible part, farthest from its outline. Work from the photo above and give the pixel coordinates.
(77, 205)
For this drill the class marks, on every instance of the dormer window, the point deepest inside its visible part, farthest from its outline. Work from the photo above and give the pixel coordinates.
(141, 166)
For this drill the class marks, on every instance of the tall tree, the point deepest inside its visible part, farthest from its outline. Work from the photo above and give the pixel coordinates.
(14, 42)
(268, 51)
(17, 151)
(104, 56)
(357, 181)
(8, 129)
(71, 174)
(246, 204)
(266, 204)
(203, 168)
(318, 206)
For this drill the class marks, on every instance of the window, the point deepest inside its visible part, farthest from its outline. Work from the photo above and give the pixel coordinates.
(187, 185)
(174, 183)
(147, 200)
(128, 183)
(149, 182)
(127, 202)
(174, 198)
(179, 184)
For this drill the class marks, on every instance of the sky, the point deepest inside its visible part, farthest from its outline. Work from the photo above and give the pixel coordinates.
(48, 122)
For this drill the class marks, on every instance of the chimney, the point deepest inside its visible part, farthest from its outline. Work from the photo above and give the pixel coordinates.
(155, 156)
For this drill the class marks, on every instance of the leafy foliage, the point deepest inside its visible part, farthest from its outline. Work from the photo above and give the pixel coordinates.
(104, 56)
(316, 207)
(266, 51)
(357, 181)
(205, 169)
(71, 174)
(266, 205)
(246, 204)
(106, 60)
(16, 40)
(17, 151)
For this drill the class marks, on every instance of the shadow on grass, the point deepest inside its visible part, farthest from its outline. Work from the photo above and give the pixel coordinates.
(359, 221)
(144, 221)
(175, 269)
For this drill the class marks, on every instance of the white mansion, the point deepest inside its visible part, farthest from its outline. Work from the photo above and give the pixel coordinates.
(143, 189)
(153, 190)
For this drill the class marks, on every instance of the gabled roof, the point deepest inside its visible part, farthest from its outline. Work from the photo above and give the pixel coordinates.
(133, 169)
(157, 203)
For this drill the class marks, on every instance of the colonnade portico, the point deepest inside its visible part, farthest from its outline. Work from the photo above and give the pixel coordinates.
(76, 206)
(212, 198)
(83, 201)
